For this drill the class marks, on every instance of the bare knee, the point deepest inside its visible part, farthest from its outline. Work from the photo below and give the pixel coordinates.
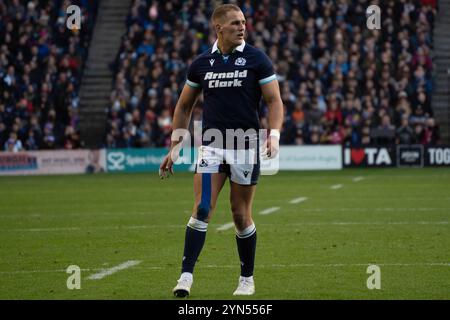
(241, 217)
(203, 213)
(239, 222)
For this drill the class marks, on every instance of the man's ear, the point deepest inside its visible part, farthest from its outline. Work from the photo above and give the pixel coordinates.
(218, 28)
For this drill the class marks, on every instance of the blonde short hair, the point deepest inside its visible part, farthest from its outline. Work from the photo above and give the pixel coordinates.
(221, 11)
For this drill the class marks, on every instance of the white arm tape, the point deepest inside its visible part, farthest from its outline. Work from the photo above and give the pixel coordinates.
(275, 133)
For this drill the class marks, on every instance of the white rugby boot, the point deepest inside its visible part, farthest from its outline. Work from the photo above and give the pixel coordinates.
(183, 287)
(246, 286)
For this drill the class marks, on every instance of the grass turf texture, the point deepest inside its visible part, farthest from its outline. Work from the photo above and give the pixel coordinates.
(316, 249)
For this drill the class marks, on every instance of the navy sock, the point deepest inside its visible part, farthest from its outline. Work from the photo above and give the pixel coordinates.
(246, 243)
(193, 244)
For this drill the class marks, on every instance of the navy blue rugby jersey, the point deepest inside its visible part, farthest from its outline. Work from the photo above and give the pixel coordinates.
(231, 86)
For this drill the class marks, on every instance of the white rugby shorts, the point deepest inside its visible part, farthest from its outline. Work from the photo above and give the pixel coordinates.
(241, 166)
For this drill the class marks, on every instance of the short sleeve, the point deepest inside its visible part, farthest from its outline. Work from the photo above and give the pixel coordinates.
(192, 78)
(265, 72)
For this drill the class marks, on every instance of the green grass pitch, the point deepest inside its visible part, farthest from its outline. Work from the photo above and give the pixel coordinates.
(319, 248)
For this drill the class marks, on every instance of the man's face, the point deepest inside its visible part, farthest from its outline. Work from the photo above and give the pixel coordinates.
(232, 27)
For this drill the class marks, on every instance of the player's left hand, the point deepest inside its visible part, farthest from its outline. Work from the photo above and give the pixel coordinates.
(272, 146)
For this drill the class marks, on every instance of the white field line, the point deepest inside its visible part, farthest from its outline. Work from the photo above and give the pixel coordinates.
(225, 226)
(332, 265)
(64, 270)
(269, 210)
(148, 214)
(357, 179)
(336, 186)
(110, 271)
(386, 209)
(110, 207)
(229, 225)
(74, 214)
(369, 223)
(96, 228)
(298, 200)
(270, 266)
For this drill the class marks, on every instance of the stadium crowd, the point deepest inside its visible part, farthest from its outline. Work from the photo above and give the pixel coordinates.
(341, 83)
(41, 63)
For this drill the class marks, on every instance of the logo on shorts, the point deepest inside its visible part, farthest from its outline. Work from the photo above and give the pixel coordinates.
(240, 62)
(203, 163)
(246, 173)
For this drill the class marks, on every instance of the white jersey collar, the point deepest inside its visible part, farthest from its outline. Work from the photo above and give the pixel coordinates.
(239, 48)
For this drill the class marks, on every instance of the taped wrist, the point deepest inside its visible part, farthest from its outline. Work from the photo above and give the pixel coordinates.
(275, 133)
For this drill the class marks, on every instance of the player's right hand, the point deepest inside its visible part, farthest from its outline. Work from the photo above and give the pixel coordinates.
(166, 167)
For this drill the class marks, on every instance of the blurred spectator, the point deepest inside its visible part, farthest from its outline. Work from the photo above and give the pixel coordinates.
(404, 134)
(431, 133)
(385, 132)
(13, 144)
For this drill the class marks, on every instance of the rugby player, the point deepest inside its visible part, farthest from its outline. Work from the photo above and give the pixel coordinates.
(233, 76)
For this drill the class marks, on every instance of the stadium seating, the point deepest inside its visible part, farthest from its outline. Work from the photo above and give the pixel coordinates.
(341, 83)
(41, 65)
